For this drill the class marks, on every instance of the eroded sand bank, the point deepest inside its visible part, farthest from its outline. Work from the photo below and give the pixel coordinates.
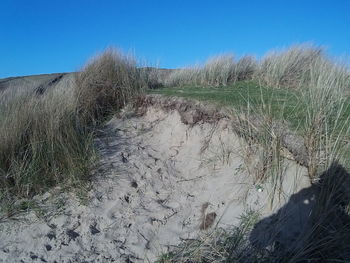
(158, 182)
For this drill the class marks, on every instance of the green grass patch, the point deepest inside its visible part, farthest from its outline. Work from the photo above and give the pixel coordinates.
(245, 95)
(281, 104)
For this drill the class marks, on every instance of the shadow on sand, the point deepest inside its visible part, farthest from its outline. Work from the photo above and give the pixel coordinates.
(314, 226)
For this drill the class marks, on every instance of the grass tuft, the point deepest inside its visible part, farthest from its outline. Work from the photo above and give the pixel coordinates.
(105, 84)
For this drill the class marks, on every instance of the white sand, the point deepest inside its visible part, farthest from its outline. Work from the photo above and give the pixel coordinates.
(154, 177)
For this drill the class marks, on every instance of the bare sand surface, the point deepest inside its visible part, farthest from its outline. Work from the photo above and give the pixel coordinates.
(158, 182)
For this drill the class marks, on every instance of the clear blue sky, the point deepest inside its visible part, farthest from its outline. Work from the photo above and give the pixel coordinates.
(58, 36)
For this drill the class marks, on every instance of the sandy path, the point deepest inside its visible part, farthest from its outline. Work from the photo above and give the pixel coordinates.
(156, 179)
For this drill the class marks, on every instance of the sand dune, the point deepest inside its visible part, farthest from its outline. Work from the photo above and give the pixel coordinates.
(158, 182)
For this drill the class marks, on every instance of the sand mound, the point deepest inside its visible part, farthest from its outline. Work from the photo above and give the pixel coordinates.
(159, 181)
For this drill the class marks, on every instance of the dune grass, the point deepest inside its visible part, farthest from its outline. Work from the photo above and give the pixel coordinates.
(47, 139)
(106, 84)
(281, 104)
(40, 143)
(217, 71)
(291, 68)
(300, 86)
